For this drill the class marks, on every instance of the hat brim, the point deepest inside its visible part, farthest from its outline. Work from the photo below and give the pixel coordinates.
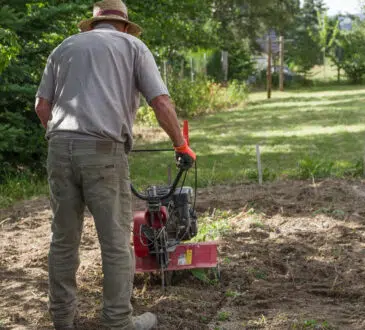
(133, 28)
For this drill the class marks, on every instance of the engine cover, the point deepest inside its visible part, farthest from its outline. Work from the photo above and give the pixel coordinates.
(182, 224)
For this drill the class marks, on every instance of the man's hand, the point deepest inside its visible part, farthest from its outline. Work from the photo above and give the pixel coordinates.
(43, 109)
(185, 157)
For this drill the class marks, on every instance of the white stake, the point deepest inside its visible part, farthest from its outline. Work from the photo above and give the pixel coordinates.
(259, 167)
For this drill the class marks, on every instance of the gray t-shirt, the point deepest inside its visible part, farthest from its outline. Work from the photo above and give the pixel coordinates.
(93, 80)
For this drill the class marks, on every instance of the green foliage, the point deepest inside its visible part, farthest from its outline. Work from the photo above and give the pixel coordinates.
(197, 97)
(191, 98)
(212, 227)
(9, 47)
(241, 65)
(170, 26)
(352, 44)
(146, 116)
(22, 143)
(304, 52)
(23, 186)
(311, 168)
(325, 35)
(336, 214)
(223, 316)
(250, 19)
(207, 276)
(314, 324)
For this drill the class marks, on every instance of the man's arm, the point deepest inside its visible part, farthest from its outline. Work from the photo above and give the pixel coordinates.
(43, 109)
(166, 117)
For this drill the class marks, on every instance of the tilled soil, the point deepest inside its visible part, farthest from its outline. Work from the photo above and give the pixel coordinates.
(293, 259)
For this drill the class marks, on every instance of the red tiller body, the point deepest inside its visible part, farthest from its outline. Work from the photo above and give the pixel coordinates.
(184, 256)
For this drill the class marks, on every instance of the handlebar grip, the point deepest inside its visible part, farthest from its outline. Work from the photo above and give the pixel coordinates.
(172, 189)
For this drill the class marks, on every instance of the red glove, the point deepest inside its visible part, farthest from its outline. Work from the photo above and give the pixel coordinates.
(185, 156)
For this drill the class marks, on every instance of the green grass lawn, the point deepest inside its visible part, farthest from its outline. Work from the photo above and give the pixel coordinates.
(307, 133)
(302, 133)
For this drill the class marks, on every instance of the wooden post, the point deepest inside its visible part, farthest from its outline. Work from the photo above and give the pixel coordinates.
(269, 75)
(225, 65)
(282, 64)
(259, 166)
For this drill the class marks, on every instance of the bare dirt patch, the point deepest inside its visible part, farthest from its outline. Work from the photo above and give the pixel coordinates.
(294, 259)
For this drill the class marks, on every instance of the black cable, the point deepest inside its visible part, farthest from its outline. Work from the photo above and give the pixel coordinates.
(151, 150)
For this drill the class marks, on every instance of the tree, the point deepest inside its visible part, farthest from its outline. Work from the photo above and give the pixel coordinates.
(303, 52)
(325, 36)
(30, 29)
(353, 45)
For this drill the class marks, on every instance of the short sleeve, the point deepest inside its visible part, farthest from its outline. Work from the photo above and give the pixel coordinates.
(148, 77)
(46, 88)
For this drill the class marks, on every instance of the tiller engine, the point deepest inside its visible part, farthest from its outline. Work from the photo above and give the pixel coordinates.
(169, 220)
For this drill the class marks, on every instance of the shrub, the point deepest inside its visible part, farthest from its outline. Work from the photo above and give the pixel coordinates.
(191, 98)
(198, 97)
(146, 116)
(311, 168)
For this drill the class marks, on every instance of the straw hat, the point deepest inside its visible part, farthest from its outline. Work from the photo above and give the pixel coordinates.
(114, 10)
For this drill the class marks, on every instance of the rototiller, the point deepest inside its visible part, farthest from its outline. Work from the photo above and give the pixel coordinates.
(169, 220)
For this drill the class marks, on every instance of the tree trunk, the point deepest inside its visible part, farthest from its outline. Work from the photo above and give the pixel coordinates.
(338, 74)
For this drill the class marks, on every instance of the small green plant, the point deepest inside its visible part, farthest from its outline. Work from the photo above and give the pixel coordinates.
(212, 227)
(311, 324)
(267, 174)
(223, 316)
(201, 275)
(232, 294)
(313, 168)
(204, 319)
(207, 276)
(257, 224)
(258, 273)
(336, 214)
(226, 260)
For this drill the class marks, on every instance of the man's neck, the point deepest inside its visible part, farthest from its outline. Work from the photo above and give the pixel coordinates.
(105, 26)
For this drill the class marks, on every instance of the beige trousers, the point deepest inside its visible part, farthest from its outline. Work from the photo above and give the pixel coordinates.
(93, 174)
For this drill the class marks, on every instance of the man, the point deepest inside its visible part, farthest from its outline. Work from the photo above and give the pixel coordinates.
(87, 101)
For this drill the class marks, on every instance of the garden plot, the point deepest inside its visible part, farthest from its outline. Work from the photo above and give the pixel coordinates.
(291, 257)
